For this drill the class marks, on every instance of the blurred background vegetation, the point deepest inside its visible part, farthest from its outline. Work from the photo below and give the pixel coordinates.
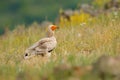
(15, 12)
(87, 32)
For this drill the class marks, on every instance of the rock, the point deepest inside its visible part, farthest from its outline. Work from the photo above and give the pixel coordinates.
(112, 4)
(89, 9)
(66, 14)
(107, 65)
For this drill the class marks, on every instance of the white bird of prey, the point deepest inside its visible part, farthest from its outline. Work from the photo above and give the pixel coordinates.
(44, 46)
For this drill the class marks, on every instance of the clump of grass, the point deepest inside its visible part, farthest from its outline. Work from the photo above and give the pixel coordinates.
(77, 45)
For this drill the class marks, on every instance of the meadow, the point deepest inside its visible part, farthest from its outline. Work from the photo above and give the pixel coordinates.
(78, 45)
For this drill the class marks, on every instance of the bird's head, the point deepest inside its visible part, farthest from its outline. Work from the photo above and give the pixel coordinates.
(53, 27)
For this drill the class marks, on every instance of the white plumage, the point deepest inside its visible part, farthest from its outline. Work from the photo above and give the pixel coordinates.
(44, 46)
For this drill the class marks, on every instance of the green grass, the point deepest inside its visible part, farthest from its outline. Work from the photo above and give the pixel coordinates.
(78, 45)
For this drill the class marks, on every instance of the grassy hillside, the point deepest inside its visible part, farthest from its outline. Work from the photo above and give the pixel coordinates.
(79, 45)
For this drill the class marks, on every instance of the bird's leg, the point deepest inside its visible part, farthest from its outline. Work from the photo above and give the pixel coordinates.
(48, 54)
